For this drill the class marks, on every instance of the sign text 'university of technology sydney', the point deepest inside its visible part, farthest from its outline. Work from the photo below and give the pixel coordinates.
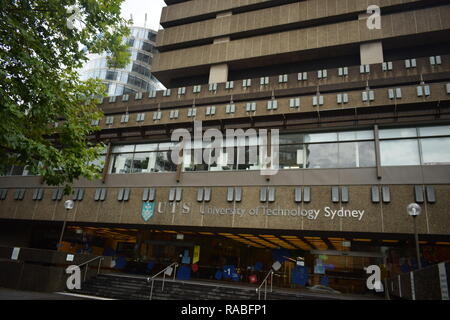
(311, 214)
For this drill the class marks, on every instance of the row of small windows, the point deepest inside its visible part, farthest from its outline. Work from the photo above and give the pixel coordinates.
(341, 194)
(317, 100)
(303, 76)
(230, 84)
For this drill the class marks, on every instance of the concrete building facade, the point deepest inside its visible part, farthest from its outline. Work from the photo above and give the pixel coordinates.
(364, 126)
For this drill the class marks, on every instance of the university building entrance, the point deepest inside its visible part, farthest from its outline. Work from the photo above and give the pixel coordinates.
(299, 260)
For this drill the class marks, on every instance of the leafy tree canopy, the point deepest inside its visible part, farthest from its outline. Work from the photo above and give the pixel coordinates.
(40, 53)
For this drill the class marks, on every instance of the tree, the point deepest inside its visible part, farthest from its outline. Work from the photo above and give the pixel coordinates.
(42, 45)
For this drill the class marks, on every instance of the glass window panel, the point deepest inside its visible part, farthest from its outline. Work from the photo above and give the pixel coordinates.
(398, 133)
(399, 153)
(164, 162)
(322, 155)
(121, 163)
(320, 137)
(146, 147)
(289, 157)
(291, 138)
(99, 162)
(434, 131)
(142, 163)
(166, 146)
(435, 151)
(124, 148)
(356, 135)
(357, 155)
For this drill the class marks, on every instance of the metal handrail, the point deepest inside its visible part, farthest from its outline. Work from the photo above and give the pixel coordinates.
(264, 283)
(152, 279)
(87, 265)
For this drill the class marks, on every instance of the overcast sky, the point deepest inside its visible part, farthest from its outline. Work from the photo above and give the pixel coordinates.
(138, 8)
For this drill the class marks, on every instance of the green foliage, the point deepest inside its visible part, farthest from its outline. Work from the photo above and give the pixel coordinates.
(39, 84)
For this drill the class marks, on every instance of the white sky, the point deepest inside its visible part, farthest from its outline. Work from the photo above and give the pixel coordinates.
(138, 8)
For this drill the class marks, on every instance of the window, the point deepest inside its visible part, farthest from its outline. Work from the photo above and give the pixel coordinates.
(192, 112)
(364, 69)
(343, 72)
(250, 107)
(395, 93)
(302, 76)
(387, 66)
(447, 87)
(212, 87)
(229, 85)
(264, 81)
(38, 194)
(140, 117)
(109, 120)
(111, 75)
(399, 152)
(357, 154)
(175, 194)
(19, 194)
(267, 194)
(368, 95)
(95, 122)
(294, 103)
(57, 194)
(125, 118)
(78, 194)
(197, 89)
(152, 94)
(423, 91)
(204, 195)
(181, 91)
(100, 194)
(318, 100)
(138, 96)
(234, 194)
(283, 78)
(112, 99)
(342, 98)
(3, 194)
(143, 57)
(142, 158)
(272, 105)
(410, 63)
(173, 114)
(149, 194)
(125, 97)
(247, 83)
(322, 74)
(210, 111)
(167, 93)
(158, 114)
(435, 150)
(435, 60)
(123, 194)
(230, 108)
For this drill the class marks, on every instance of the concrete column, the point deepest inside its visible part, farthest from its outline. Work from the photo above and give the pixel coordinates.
(218, 73)
(371, 53)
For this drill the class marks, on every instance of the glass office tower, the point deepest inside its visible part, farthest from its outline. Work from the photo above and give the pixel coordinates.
(136, 76)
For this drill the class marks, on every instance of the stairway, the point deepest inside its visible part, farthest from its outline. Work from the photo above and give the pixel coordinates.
(136, 288)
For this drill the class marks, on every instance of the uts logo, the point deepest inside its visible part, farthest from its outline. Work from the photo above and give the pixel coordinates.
(148, 209)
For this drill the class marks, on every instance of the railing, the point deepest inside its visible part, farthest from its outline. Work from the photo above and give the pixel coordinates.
(264, 283)
(100, 258)
(152, 279)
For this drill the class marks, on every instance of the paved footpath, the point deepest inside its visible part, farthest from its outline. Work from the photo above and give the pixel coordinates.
(11, 294)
